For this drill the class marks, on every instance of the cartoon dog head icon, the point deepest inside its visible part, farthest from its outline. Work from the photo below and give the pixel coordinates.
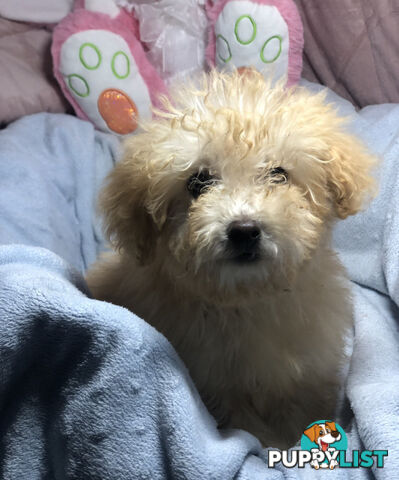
(324, 434)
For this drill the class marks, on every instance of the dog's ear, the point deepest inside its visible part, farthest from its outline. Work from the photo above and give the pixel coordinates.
(331, 425)
(349, 174)
(124, 202)
(311, 432)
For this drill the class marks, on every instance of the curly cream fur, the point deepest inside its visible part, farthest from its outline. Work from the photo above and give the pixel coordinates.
(262, 341)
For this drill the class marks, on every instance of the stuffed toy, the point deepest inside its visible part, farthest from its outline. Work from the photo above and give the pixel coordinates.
(104, 71)
(265, 34)
(102, 68)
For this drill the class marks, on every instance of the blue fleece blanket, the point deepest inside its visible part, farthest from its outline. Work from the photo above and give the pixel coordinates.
(90, 391)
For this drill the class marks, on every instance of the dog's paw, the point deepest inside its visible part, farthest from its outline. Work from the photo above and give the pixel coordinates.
(333, 464)
(251, 34)
(104, 79)
(315, 464)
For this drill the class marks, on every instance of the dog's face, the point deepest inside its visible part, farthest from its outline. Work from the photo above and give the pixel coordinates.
(235, 185)
(323, 434)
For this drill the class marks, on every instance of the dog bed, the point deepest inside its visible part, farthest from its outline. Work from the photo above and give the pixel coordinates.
(89, 390)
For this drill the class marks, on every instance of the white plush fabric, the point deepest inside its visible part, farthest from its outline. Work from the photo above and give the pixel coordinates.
(37, 11)
(108, 7)
(87, 84)
(250, 34)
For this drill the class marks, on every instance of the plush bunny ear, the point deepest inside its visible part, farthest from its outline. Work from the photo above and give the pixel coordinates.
(263, 34)
(349, 176)
(102, 67)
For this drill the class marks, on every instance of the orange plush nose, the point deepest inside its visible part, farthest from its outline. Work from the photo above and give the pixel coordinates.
(244, 70)
(118, 110)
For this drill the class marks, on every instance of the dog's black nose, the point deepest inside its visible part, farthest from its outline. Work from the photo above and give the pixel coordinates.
(244, 235)
(335, 433)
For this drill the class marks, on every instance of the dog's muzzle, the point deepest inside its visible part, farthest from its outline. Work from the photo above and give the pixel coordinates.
(244, 239)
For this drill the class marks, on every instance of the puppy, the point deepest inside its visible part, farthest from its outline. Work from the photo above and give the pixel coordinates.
(324, 434)
(221, 213)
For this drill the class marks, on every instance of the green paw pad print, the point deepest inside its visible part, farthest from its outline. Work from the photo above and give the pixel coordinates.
(102, 77)
(258, 38)
(91, 59)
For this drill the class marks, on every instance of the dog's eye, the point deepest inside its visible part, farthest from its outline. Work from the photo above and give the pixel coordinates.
(199, 182)
(278, 175)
